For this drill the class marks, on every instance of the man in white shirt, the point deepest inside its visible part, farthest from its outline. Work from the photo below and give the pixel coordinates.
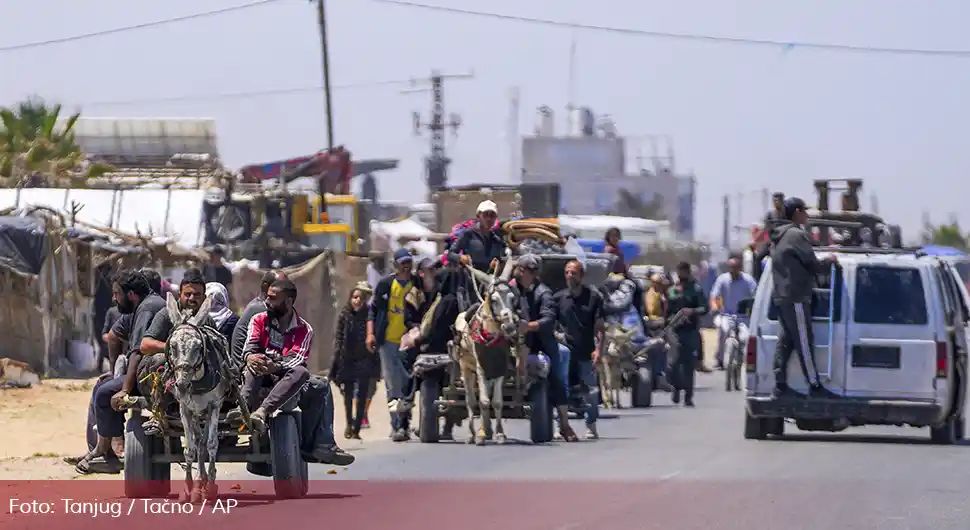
(729, 289)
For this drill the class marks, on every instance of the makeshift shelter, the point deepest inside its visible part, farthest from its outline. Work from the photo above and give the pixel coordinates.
(51, 271)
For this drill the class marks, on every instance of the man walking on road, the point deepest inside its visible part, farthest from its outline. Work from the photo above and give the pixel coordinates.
(386, 326)
(793, 269)
(686, 297)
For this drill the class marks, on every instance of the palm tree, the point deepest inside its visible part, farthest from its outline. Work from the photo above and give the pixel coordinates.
(947, 235)
(630, 205)
(36, 150)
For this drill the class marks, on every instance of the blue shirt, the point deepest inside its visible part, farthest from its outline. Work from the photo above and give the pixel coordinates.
(732, 291)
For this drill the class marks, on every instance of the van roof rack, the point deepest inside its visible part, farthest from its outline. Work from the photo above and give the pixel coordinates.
(871, 250)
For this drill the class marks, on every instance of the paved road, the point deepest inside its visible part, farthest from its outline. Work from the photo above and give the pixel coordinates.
(679, 468)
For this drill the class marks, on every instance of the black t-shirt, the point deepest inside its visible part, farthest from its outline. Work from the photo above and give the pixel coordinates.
(142, 320)
(578, 315)
(110, 317)
(122, 327)
(162, 326)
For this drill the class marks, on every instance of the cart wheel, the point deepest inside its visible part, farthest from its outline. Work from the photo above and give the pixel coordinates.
(428, 427)
(641, 393)
(290, 471)
(143, 478)
(540, 419)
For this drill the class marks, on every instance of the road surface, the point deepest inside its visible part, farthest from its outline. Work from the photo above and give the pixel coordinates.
(672, 467)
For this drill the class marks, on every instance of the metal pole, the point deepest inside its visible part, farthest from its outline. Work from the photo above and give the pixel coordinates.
(322, 18)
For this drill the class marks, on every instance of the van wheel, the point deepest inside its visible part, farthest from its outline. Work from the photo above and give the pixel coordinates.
(961, 428)
(777, 426)
(754, 428)
(946, 434)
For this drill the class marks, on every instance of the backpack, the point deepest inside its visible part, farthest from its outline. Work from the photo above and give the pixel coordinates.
(456, 232)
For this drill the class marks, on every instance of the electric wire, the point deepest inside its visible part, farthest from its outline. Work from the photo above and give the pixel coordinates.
(123, 29)
(960, 53)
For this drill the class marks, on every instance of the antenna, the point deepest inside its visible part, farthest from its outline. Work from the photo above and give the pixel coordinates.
(571, 89)
(513, 132)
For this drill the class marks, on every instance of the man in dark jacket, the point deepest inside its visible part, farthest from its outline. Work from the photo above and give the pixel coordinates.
(481, 247)
(688, 297)
(793, 271)
(538, 312)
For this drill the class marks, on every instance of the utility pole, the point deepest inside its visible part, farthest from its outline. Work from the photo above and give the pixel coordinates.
(322, 20)
(437, 161)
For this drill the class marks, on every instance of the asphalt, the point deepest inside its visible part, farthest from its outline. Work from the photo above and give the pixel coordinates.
(670, 466)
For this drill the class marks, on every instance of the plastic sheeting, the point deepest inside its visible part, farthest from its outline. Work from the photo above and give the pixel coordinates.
(22, 242)
(175, 214)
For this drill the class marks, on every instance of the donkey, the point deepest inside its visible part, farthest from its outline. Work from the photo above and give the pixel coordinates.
(484, 339)
(618, 352)
(197, 356)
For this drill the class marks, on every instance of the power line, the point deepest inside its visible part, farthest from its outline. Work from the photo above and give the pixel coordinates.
(690, 36)
(72, 38)
(245, 94)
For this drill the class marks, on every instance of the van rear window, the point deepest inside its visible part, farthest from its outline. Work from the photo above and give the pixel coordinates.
(821, 300)
(889, 295)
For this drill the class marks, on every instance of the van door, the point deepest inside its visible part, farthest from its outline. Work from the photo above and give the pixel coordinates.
(828, 308)
(891, 342)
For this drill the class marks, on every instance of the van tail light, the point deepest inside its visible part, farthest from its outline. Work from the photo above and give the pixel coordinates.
(751, 354)
(941, 360)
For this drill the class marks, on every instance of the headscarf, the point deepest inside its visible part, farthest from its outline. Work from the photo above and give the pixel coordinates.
(219, 311)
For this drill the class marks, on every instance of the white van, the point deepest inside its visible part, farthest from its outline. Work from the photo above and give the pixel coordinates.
(890, 331)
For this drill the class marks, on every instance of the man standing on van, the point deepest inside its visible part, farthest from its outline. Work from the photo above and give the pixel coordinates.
(793, 270)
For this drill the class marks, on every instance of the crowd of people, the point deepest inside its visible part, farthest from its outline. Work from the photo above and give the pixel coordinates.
(390, 319)
(267, 344)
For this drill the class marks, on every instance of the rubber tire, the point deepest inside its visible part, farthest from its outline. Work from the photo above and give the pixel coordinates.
(143, 478)
(755, 428)
(729, 371)
(540, 418)
(641, 388)
(946, 434)
(428, 431)
(290, 471)
(776, 426)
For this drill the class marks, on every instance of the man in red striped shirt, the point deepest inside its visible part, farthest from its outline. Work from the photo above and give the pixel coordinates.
(277, 346)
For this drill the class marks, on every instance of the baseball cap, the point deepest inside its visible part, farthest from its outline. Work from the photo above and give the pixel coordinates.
(487, 206)
(402, 255)
(792, 205)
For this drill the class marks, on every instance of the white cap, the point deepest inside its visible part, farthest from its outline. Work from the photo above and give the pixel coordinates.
(487, 206)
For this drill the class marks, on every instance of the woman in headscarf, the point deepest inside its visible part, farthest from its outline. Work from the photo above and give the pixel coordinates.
(354, 367)
(223, 317)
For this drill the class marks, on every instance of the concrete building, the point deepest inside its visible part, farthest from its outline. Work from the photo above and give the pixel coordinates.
(595, 174)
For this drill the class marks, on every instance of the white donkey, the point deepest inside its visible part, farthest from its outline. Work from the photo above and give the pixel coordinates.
(484, 341)
(197, 355)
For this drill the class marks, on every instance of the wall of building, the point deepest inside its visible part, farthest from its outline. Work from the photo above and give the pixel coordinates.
(591, 172)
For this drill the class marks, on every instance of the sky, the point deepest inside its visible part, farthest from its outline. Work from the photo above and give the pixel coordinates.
(741, 117)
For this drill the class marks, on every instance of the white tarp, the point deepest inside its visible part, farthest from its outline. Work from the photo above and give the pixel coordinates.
(175, 214)
(408, 228)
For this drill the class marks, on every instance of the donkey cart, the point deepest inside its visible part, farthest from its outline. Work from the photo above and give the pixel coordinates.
(275, 453)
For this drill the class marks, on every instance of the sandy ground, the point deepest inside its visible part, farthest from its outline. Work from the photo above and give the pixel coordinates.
(43, 424)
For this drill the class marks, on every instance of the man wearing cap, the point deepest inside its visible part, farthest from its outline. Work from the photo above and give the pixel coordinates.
(386, 326)
(481, 247)
(538, 310)
(793, 269)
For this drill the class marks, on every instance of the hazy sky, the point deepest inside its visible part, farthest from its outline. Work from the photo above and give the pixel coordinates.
(742, 117)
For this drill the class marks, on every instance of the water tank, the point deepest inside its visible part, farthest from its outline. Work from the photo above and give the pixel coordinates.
(545, 121)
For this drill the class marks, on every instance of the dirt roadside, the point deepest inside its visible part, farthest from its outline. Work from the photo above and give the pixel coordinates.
(43, 424)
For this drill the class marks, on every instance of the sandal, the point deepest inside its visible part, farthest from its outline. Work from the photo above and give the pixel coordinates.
(73, 460)
(99, 464)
